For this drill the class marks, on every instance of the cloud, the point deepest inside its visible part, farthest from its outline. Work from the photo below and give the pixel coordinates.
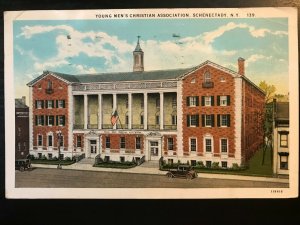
(256, 57)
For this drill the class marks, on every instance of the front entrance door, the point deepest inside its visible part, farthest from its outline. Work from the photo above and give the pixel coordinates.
(154, 150)
(93, 147)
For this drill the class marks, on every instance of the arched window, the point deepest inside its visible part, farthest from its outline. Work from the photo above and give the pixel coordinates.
(207, 77)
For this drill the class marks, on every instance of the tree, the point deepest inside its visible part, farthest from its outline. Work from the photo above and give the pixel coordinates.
(268, 89)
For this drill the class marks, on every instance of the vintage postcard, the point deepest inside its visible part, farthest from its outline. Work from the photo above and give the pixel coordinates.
(152, 103)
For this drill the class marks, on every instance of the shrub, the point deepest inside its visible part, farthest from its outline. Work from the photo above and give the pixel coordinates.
(67, 159)
(235, 166)
(44, 157)
(200, 164)
(215, 165)
(54, 158)
(31, 157)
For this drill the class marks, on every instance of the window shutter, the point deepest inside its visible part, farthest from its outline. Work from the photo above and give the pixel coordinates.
(56, 103)
(36, 104)
(63, 103)
(42, 104)
(188, 101)
(36, 120)
(197, 120)
(228, 120)
(197, 100)
(46, 102)
(53, 106)
(212, 116)
(42, 120)
(202, 101)
(228, 99)
(63, 121)
(218, 100)
(57, 122)
(203, 120)
(212, 100)
(218, 120)
(47, 120)
(188, 120)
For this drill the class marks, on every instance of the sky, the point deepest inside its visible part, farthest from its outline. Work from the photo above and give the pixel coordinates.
(99, 46)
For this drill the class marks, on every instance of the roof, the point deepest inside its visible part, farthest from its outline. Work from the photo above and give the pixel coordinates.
(19, 103)
(282, 111)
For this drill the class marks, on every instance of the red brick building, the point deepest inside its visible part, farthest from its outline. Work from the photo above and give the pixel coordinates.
(207, 113)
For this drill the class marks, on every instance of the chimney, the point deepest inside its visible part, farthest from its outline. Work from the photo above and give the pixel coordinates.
(241, 65)
(24, 100)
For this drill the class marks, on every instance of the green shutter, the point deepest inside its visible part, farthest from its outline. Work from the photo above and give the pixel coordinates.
(56, 103)
(218, 100)
(36, 120)
(42, 116)
(36, 104)
(212, 100)
(228, 120)
(188, 120)
(47, 120)
(197, 120)
(197, 100)
(42, 104)
(63, 103)
(57, 122)
(212, 116)
(63, 120)
(202, 101)
(46, 102)
(188, 101)
(203, 120)
(218, 120)
(228, 99)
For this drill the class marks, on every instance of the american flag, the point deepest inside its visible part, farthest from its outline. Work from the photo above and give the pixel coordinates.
(114, 118)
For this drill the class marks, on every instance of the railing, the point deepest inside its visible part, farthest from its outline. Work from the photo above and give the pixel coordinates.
(208, 84)
(98, 159)
(77, 158)
(107, 126)
(78, 126)
(170, 127)
(123, 126)
(142, 160)
(49, 90)
(153, 127)
(137, 126)
(92, 126)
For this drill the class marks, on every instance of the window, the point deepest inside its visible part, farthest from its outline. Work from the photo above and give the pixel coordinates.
(193, 81)
(224, 145)
(19, 146)
(207, 100)
(61, 156)
(107, 142)
(60, 120)
(39, 120)
(50, 120)
(208, 120)
(193, 120)
(40, 140)
(142, 119)
(49, 84)
(207, 77)
(283, 162)
(40, 155)
(174, 119)
(170, 161)
(284, 140)
(50, 140)
(224, 164)
(19, 131)
(106, 158)
(157, 119)
(61, 139)
(170, 144)
(208, 164)
(208, 145)
(223, 100)
(50, 104)
(50, 155)
(39, 104)
(174, 102)
(60, 103)
(193, 101)
(24, 144)
(137, 143)
(193, 144)
(122, 159)
(122, 142)
(78, 141)
(223, 120)
(126, 119)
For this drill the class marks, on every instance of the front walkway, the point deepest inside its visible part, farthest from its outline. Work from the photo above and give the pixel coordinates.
(144, 169)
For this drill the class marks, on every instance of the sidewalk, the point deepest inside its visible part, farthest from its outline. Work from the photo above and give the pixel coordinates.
(156, 171)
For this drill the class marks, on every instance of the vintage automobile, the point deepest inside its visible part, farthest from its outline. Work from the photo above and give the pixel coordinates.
(183, 171)
(23, 164)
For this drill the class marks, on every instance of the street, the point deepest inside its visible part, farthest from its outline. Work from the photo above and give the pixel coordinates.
(54, 178)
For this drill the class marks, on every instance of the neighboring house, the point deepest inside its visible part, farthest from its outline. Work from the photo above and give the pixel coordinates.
(21, 128)
(207, 113)
(281, 137)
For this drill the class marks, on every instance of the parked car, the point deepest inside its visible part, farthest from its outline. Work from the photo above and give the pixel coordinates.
(23, 164)
(184, 171)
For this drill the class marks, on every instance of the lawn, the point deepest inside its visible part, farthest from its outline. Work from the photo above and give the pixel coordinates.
(51, 162)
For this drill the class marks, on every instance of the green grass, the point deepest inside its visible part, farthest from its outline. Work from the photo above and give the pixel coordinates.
(51, 162)
(116, 165)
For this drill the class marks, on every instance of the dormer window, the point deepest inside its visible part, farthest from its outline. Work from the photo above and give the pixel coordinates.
(49, 89)
(207, 80)
(207, 77)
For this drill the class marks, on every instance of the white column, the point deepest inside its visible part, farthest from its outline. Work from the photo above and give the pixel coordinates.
(161, 110)
(179, 120)
(129, 110)
(145, 111)
(115, 107)
(85, 110)
(99, 111)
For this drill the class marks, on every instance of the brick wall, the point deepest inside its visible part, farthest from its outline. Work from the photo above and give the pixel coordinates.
(223, 85)
(59, 92)
(129, 142)
(22, 133)
(165, 141)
